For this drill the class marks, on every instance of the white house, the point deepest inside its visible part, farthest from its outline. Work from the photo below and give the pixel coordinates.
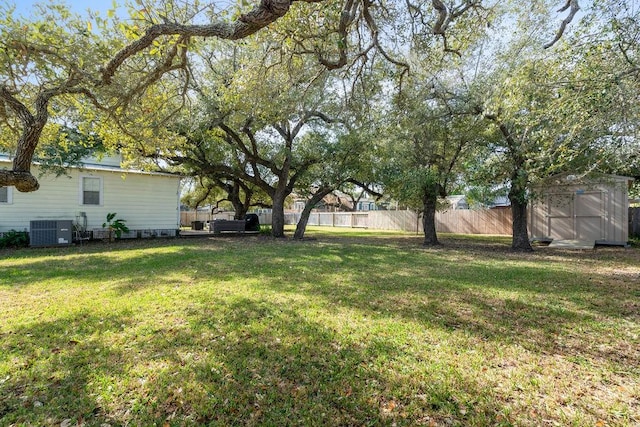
(148, 202)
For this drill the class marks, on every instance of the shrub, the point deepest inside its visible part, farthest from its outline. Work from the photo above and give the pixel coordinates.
(265, 230)
(14, 239)
(115, 225)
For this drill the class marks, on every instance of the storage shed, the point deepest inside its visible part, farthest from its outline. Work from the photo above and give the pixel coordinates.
(595, 208)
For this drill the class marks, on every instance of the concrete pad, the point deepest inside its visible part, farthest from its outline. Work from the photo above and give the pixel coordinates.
(573, 244)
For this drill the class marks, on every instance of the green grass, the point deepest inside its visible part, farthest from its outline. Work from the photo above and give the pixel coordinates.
(345, 328)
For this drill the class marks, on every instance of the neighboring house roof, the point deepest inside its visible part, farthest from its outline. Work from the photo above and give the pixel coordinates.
(458, 201)
(105, 163)
(500, 201)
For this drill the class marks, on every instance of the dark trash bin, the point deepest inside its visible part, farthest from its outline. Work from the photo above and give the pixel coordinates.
(252, 222)
(197, 225)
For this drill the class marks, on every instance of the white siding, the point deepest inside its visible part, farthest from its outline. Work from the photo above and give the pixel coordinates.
(144, 201)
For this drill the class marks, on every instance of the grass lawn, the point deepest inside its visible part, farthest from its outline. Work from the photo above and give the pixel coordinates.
(346, 328)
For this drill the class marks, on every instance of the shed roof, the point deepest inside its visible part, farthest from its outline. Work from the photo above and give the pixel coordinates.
(589, 178)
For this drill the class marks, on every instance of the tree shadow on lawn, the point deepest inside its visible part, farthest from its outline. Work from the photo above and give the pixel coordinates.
(544, 308)
(531, 302)
(54, 368)
(247, 362)
(125, 267)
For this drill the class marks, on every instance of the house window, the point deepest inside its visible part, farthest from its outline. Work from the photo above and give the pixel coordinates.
(91, 191)
(5, 195)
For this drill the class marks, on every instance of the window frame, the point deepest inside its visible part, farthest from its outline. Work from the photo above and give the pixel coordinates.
(9, 196)
(81, 200)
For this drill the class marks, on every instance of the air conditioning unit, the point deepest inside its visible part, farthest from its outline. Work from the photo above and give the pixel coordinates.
(51, 233)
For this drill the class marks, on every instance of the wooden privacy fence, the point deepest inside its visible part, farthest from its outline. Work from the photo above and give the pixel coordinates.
(333, 219)
(463, 221)
(471, 221)
(186, 217)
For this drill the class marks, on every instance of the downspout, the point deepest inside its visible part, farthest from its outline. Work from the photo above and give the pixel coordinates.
(178, 207)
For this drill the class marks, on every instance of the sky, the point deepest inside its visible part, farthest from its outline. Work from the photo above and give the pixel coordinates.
(24, 7)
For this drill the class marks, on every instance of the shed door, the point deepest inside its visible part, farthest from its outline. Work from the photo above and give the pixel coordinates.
(560, 216)
(589, 215)
(578, 215)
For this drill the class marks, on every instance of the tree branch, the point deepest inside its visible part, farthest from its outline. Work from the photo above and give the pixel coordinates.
(575, 7)
(22, 180)
(263, 14)
(373, 27)
(366, 187)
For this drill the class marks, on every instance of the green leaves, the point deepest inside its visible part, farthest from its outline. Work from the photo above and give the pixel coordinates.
(116, 226)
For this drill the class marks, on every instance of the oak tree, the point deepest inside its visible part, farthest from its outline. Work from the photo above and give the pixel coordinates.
(55, 63)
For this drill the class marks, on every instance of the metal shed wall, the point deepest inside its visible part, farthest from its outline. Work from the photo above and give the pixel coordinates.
(594, 209)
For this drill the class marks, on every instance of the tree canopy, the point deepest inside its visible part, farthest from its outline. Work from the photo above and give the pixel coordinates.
(54, 64)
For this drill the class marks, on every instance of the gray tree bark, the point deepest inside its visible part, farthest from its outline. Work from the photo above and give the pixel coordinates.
(301, 227)
(429, 220)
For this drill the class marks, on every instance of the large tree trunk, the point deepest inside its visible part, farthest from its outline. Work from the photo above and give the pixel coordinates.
(301, 227)
(277, 214)
(239, 208)
(429, 204)
(518, 192)
(520, 232)
(32, 126)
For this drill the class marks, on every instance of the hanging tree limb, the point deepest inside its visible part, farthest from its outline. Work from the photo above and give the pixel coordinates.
(575, 7)
(265, 13)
